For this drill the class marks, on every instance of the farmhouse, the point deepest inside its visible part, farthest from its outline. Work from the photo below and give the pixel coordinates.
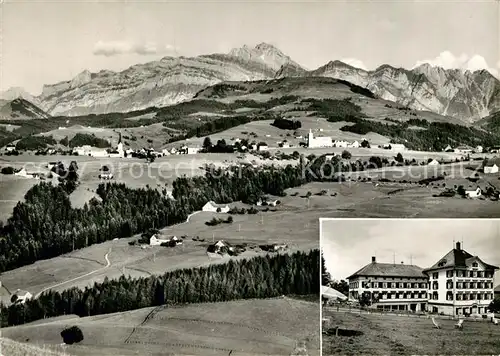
(23, 173)
(215, 208)
(339, 143)
(316, 142)
(354, 144)
(155, 241)
(491, 167)
(284, 144)
(460, 284)
(262, 147)
(220, 247)
(392, 286)
(193, 150)
(397, 147)
(473, 193)
(448, 149)
(10, 147)
(21, 296)
(87, 150)
(479, 149)
(463, 149)
(165, 152)
(433, 163)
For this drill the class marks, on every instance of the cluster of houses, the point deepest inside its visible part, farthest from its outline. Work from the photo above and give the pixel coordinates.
(464, 149)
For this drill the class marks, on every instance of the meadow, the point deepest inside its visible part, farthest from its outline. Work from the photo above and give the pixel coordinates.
(400, 335)
(280, 326)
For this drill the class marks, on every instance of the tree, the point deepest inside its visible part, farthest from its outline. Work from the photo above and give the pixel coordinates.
(72, 335)
(494, 306)
(365, 144)
(346, 154)
(325, 276)
(399, 158)
(207, 144)
(8, 170)
(366, 299)
(341, 286)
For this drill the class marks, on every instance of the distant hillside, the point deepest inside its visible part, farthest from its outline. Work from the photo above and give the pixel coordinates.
(491, 123)
(21, 109)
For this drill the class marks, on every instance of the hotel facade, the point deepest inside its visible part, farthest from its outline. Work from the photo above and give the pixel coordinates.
(458, 284)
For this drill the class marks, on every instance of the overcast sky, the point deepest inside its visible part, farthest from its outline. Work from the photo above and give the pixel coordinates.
(48, 41)
(349, 245)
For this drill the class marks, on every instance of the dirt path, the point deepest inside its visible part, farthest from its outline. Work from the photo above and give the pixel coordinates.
(108, 263)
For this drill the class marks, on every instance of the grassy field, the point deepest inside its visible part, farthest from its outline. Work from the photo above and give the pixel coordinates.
(394, 335)
(135, 173)
(278, 326)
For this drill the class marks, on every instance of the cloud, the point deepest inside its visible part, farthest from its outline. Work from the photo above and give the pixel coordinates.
(114, 48)
(448, 60)
(354, 62)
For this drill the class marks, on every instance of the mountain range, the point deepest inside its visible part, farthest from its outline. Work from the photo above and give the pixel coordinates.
(464, 95)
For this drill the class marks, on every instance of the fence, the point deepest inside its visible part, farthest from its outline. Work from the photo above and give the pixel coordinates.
(402, 313)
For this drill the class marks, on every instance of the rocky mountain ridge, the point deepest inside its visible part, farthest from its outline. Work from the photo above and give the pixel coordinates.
(461, 94)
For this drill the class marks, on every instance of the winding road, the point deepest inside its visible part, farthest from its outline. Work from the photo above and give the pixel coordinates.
(108, 263)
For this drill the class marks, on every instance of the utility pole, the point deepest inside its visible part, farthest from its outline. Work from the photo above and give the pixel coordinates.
(154, 256)
(239, 227)
(213, 237)
(393, 257)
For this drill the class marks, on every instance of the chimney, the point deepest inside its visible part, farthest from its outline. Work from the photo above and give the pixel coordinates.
(458, 246)
(373, 259)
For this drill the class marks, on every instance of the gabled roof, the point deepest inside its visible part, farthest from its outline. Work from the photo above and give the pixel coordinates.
(376, 269)
(497, 289)
(21, 292)
(457, 258)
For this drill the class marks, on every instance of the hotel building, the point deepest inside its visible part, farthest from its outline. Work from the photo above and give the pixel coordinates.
(460, 284)
(391, 286)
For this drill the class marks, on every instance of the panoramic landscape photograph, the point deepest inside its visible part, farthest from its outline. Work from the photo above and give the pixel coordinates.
(410, 287)
(164, 165)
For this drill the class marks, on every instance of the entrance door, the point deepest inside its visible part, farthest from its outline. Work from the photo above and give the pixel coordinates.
(413, 307)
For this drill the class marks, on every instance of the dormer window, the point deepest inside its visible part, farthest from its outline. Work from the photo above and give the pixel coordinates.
(441, 263)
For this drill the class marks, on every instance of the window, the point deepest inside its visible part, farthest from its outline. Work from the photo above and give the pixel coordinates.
(435, 275)
(474, 264)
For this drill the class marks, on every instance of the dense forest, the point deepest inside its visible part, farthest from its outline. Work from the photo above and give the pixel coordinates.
(434, 137)
(286, 124)
(259, 277)
(34, 142)
(81, 139)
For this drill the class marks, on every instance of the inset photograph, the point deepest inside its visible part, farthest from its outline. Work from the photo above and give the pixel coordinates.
(410, 286)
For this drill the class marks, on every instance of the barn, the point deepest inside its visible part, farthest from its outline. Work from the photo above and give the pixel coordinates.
(215, 208)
